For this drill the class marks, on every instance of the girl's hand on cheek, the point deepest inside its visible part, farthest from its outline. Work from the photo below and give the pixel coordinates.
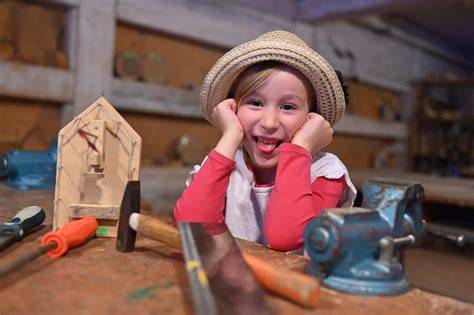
(224, 117)
(315, 134)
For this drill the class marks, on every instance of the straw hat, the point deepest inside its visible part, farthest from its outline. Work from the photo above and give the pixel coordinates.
(279, 46)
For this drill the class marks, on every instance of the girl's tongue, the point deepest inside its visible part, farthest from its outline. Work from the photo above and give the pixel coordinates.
(267, 145)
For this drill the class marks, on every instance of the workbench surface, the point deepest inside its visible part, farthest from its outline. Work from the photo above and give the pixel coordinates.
(96, 279)
(444, 190)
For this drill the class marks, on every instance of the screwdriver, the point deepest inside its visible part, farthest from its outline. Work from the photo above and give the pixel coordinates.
(56, 244)
(23, 222)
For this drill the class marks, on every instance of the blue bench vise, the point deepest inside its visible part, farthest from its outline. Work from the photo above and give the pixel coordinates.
(27, 170)
(354, 250)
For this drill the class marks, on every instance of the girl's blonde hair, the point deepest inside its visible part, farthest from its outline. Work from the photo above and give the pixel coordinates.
(254, 76)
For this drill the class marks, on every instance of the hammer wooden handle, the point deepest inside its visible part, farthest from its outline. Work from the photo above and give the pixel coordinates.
(156, 229)
(300, 288)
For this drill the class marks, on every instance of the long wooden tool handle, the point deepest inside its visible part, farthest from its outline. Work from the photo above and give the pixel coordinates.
(156, 229)
(300, 288)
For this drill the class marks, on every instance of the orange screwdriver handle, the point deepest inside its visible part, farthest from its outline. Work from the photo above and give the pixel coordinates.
(73, 234)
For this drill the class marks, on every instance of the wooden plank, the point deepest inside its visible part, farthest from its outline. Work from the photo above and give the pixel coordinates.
(444, 190)
(71, 44)
(426, 269)
(104, 212)
(173, 61)
(150, 98)
(36, 82)
(416, 37)
(27, 125)
(95, 45)
(59, 3)
(52, 84)
(205, 23)
(160, 285)
(36, 34)
(363, 126)
(310, 10)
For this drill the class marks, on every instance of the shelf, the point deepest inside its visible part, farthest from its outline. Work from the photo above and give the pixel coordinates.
(156, 99)
(363, 126)
(45, 83)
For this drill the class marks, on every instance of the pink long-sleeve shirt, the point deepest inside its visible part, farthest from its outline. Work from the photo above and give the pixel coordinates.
(294, 201)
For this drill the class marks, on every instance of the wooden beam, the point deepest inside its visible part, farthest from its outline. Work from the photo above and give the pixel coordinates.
(151, 98)
(70, 43)
(51, 84)
(363, 126)
(59, 3)
(95, 47)
(36, 82)
(156, 99)
(205, 23)
(311, 11)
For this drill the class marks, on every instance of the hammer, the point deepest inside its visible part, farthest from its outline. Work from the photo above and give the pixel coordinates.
(297, 287)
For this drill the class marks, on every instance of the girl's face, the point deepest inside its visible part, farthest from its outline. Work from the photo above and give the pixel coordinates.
(272, 114)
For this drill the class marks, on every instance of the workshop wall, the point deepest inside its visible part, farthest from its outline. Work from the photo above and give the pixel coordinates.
(158, 58)
(27, 125)
(30, 34)
(35, 35)
(185, 63)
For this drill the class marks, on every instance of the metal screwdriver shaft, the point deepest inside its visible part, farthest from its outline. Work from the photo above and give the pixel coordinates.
(56, 244)
(30, 256)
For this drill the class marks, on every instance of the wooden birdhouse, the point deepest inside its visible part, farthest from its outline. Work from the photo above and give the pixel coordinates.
(98, 153)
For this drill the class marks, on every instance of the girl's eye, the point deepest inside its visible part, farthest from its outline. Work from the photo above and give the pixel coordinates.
(255, 102)
(288, 106)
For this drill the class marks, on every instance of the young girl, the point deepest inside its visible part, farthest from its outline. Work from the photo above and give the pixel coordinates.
(275, 101)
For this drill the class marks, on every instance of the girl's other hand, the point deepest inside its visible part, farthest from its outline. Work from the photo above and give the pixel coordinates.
(224, 117)
(315, 134)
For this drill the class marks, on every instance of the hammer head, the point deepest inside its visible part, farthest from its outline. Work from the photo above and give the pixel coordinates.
(130, 204)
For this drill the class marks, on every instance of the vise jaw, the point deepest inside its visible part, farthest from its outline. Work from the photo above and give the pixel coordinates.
(354, 250)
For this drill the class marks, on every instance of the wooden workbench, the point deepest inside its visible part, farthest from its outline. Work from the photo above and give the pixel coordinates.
(96, 279)
(444, 190)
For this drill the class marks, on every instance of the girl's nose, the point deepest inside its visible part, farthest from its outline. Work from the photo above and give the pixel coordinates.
(270, 119)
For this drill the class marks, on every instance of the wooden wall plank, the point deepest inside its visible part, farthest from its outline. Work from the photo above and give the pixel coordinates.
(356, 152)
(362, 126)
(183, 62)
(27, 125)
(93, 67)
(310, 10)
(204, 23)
(35, 82)
(155, 99)
(161, 133)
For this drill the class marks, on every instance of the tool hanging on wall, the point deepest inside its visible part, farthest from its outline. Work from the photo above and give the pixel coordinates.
(23, 222)
(354, 250)
(98, 153)
(56, 244)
